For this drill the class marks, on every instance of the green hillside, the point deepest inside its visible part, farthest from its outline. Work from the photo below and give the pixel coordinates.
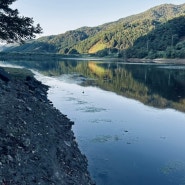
(139, 33)
(124, 32)
(165, 41)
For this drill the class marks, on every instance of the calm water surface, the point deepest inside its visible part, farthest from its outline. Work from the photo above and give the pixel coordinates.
(129, 118)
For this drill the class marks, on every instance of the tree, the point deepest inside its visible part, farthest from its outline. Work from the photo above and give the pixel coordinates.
(73, 51)
(15, 28)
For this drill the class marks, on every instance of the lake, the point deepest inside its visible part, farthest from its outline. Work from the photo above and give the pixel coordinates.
(129, 117)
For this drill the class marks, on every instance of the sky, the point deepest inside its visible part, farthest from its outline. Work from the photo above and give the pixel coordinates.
(59, 16)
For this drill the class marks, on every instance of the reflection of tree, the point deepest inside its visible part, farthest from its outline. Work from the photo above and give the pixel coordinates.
(154, 86)
(148, 84)
(165, 82)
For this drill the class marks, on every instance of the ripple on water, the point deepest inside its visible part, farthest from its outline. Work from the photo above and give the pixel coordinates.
(91, 109)
(101, 121)
(106, 138)
(173, 167)
(80, 102)
(70, 99)
(175, 171)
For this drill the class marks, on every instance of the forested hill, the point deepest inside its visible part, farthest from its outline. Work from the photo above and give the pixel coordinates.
(136, 34)
(165, 41)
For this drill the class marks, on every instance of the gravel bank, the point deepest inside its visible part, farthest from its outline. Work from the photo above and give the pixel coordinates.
(37, 145)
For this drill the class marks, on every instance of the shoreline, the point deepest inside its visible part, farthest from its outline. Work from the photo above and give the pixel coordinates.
(37, 143)
(157, 61)
(53, 56)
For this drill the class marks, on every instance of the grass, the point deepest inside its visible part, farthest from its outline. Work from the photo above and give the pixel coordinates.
(20, 73)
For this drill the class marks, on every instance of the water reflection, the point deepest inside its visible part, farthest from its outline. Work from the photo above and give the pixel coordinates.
(161, 86)
(125, 141)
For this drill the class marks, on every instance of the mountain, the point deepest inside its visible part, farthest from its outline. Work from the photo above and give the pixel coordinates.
(122, 33)
(112, 38)
(56, 44)
(165, 41)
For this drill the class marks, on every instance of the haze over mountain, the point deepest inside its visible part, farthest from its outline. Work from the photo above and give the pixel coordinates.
(158, 32)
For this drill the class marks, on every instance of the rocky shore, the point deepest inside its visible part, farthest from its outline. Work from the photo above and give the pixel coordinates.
(37, 145)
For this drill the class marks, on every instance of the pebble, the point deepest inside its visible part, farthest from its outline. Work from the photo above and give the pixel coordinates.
(67, 143)
(10, 158)
(28, 109)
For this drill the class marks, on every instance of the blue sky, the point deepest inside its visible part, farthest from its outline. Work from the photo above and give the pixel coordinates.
(58, 16)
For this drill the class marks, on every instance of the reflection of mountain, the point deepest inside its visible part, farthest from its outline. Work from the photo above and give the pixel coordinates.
(158, 86)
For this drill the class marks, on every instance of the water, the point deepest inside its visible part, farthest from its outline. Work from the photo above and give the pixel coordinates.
(132, 134)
